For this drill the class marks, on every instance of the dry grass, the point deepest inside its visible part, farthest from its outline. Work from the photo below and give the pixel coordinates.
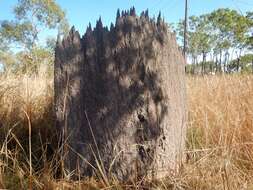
(219, 143)
(220, 131)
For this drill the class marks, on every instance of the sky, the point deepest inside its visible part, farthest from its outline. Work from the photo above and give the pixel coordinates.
(81, 12)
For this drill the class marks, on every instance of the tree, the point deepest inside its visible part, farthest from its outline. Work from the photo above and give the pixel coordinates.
(199, 40)
(231, 29)
(31, 17)
(249, 41)
(204, 38)
(218, 34)
(245, 63)
(3, 43)
(8, 61)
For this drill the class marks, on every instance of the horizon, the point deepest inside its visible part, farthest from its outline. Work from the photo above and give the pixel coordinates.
(81, 13)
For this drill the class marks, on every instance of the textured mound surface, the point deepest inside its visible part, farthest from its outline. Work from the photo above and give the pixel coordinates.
(120, 98)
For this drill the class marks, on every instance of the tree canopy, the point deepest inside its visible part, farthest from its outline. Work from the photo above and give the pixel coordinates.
(221, 35)
(31, 17)
(21, 34)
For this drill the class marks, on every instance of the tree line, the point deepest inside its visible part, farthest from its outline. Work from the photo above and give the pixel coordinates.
(220, 41)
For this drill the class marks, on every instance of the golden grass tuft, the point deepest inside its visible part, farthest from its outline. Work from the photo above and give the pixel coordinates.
(219, 141)
(20, 93)
(220, 131)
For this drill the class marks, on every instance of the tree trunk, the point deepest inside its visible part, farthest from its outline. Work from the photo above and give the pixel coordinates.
(216, 64)
(238, 64)
(226, 61)
(202, 64)
(120, 100)
(220, 70)
(197, 66)
(194, 65)
(252, 65)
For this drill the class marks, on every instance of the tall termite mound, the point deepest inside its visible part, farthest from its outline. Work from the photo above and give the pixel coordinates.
(120, 99)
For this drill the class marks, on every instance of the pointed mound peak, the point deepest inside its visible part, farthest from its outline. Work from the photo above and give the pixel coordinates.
(99, 24)
(126, 21)
(89, 28)
(132, 11)
(146, 14)
(72, 30)
(118, 14)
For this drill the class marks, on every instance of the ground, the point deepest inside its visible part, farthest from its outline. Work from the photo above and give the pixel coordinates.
(219, 141)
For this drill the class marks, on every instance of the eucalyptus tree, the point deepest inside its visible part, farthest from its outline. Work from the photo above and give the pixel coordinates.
(199, 40)
(193, 42)
(231, 30)
(249, 40)
(31, 17)
(205, 38)
(218, 37)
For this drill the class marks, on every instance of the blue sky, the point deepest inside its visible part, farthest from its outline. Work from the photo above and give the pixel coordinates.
(81, 12)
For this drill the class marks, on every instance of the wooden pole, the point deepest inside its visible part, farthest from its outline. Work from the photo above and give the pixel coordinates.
(185, 28)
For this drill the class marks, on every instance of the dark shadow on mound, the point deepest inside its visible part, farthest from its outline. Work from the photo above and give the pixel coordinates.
(115, 83)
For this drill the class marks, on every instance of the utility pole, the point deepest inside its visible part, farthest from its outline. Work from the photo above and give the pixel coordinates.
(185, 28)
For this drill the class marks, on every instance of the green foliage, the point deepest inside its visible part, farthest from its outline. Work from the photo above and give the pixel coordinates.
(51, 43)
(199, 35)
(31, 17)
(46, 12)
(8, 61)
(3, 43)
(245, 63)
(249, 40)
(217, 34)
(232, 28)
(29, 62)
(23, 33)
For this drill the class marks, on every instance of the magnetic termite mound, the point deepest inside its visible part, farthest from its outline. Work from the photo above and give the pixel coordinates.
(120, 99)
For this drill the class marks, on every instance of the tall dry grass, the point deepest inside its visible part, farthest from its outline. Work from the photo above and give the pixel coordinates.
(20, 93)
(219, 141)
(220, 131)
(25, 103)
